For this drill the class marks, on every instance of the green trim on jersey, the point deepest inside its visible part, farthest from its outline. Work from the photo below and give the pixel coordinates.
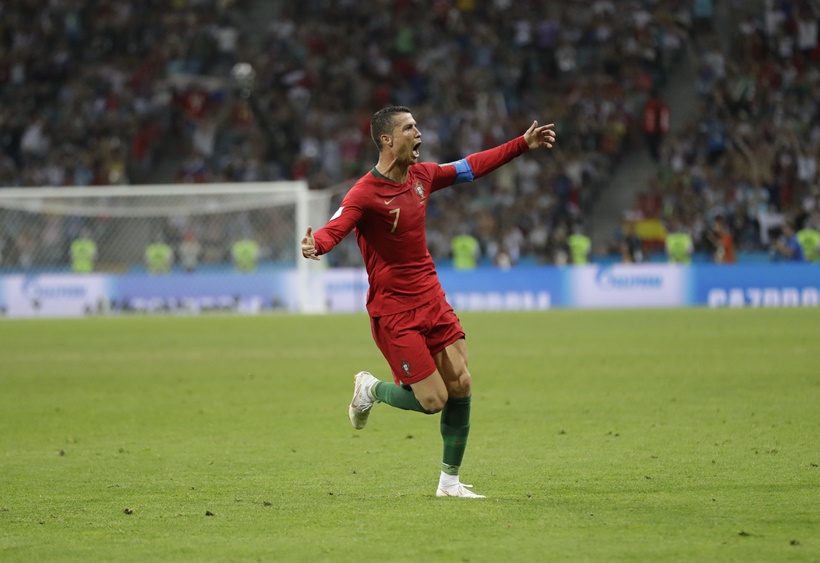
(381, 176)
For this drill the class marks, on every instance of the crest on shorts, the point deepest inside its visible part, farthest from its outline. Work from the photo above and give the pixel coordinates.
(405, 365)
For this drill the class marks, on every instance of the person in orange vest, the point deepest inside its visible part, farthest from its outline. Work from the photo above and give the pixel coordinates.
(655, 124)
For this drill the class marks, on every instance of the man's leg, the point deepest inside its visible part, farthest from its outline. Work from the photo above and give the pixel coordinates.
(455, 417)
(427, 396)
(447, 390)
(404, 347)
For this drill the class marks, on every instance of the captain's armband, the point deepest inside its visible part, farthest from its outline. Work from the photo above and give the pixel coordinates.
(464, 173)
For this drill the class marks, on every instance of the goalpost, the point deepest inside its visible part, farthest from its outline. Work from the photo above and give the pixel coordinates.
(199, 224)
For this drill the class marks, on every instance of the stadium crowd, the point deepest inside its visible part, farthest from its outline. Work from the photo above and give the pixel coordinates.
(475, 74)
(746, 163)
(85, 86)
(94, 92)
(88, 96)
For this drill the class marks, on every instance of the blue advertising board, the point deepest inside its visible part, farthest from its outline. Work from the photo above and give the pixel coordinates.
(229, 291)
(516, 289)
(756, 285)
(484, 289)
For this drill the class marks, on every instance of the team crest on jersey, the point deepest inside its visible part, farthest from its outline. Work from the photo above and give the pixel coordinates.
(419, 190)
(405, 365)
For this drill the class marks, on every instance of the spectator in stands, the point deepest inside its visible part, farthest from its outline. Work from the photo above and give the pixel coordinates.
(558, 248)
(722, 241)
(746, 230)
(702, 14)
(655, 124)
(502, 259)
(630, 244)
(786, 246)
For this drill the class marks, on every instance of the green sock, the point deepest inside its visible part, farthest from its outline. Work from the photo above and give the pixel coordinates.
(397, 396)
(455, 426)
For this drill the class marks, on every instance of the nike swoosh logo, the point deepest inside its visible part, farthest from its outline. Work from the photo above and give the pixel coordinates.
(387, 201)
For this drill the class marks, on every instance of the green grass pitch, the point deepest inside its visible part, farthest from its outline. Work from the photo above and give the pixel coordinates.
(685, 435)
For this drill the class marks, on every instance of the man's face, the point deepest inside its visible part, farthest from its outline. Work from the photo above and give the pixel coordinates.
(406, 138)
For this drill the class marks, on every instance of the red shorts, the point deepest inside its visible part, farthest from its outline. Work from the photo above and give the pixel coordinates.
(410, 339)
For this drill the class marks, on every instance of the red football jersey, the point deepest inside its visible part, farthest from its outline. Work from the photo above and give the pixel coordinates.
(389, 221)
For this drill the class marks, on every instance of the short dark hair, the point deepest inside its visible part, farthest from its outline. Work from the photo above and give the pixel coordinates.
(382, 122)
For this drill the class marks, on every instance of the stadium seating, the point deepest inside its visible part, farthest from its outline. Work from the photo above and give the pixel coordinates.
(750, 152)
(96, 96)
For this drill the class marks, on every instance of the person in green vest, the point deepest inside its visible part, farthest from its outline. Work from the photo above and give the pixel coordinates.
(579, 246)
(158, 257)
(245, 253)
(809, 240)
(465, 251)
(83, 253)
(679, 245)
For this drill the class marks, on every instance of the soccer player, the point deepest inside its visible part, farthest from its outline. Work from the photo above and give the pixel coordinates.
(413, 325)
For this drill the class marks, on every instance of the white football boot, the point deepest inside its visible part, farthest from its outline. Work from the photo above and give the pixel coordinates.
(362, 400)
(457, 490)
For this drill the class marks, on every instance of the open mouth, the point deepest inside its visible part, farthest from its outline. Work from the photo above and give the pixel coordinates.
(416, 150)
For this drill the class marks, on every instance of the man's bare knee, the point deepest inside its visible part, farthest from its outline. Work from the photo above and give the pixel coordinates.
(431, 393)
(434, 403)
(461, 386)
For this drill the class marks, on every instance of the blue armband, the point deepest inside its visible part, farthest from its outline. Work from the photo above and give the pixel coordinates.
(463, 171)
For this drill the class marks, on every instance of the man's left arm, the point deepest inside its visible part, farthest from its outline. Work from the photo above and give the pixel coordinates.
(482, 163)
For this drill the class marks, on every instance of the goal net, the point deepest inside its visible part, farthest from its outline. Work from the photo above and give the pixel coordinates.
(175, 237)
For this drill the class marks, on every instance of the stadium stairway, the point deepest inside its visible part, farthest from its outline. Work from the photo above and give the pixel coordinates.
(636, 166)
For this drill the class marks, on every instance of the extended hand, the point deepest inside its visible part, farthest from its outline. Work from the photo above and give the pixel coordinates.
(543, 136)
(309, 245)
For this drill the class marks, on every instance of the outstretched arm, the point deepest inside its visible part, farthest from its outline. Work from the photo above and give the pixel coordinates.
(314, 244)
(482, 163)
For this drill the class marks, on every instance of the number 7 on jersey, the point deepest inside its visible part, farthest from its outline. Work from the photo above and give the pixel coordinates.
(397, 211)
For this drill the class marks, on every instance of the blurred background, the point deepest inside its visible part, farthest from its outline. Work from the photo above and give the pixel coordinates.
(696, 118)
